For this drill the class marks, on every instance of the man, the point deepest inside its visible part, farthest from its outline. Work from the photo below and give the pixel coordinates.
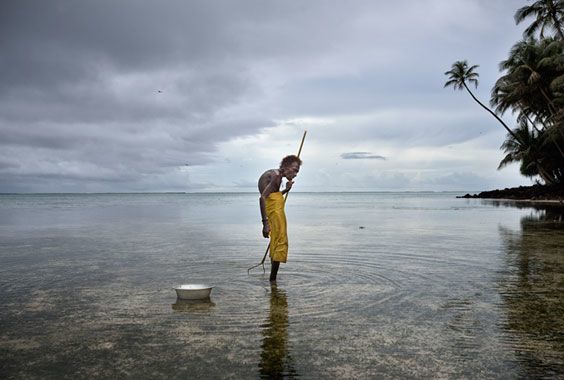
(272, 209)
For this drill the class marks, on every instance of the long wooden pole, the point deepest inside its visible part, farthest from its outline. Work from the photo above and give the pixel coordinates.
(285, 197)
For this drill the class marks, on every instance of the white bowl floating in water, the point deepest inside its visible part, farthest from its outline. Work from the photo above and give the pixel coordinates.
(193, 291)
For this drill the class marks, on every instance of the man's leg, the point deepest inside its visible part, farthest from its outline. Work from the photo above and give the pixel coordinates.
(274, 270)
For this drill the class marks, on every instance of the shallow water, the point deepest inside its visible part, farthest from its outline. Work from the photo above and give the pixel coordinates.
(378, 285)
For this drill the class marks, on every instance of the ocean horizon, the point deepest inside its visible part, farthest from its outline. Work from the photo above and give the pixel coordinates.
(242, 192)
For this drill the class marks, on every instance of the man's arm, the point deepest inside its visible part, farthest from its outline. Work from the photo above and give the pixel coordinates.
(272, 186)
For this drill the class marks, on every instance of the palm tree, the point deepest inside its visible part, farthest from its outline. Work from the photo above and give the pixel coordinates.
(528, 150)
(459, 75)
(531, 67)
(548, 14)
(532, 83)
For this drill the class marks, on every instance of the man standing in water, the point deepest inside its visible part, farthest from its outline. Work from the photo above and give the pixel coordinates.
(272, 209)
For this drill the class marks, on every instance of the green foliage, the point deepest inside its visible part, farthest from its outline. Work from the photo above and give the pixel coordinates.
(531, 72)
(536, 152)
(461, 73)
(547, 14)
(532, 87)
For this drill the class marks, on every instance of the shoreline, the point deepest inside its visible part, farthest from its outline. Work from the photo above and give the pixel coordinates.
(550, 194)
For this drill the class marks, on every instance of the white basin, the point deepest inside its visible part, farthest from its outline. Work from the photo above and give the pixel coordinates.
(193, 291)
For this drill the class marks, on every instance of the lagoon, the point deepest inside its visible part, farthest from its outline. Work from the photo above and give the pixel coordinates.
(377, 285)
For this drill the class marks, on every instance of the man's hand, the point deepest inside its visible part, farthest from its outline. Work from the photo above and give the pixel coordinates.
(289, 186)
(265, 230)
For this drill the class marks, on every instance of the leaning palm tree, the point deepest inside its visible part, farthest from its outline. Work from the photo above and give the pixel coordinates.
(460, 75)
(548, 14)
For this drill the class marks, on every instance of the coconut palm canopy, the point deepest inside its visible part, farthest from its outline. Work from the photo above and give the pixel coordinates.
(546, 16)
(531, 86)
(462, 74)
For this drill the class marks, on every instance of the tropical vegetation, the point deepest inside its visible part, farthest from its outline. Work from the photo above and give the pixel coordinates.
(532, 88)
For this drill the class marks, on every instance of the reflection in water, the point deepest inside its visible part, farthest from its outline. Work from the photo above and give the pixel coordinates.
(427, 290)
(198, 306)
(276, 361)
(533, 291)
(546, 211)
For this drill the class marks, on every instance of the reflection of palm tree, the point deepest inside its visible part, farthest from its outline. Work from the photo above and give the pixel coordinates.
(276, 362)
(531, 291)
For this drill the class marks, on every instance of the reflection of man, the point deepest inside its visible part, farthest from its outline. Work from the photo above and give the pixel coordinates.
(275, 355)
(272, 209)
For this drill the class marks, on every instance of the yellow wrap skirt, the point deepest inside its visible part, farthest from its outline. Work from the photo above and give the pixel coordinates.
(278, 232)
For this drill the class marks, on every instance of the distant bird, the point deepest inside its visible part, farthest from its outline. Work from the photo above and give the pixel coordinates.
(159, 91)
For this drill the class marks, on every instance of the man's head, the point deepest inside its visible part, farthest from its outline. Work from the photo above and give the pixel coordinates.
(290, 166)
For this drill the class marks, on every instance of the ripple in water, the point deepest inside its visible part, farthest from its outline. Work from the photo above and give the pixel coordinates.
(429, 288)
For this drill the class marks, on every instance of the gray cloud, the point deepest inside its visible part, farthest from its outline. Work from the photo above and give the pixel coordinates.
(361, 156)
(114, 92)
(106, 95)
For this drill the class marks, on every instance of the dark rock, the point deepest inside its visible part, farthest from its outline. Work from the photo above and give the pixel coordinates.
(535, 192)
(468, 196)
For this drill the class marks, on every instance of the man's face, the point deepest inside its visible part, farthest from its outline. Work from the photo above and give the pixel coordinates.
(291, 171)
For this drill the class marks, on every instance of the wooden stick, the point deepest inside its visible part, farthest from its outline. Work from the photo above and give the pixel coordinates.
(285, 197)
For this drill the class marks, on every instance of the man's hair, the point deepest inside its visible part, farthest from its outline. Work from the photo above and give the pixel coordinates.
(289, 160)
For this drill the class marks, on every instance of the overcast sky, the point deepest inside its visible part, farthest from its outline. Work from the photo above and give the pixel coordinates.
(104, 96)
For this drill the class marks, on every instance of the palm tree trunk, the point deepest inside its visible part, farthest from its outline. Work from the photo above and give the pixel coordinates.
(546, 176)
(555, 142)
(541, 121)
(493, 114)
(551, 137)
(558, 129)
(551, 106)
(554, 118)
(530, 121)
(558, 147)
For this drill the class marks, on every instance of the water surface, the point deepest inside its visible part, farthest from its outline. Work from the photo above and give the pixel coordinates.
(378, 285)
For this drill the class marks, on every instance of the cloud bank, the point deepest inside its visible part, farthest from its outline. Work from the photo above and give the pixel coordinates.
(205, 95)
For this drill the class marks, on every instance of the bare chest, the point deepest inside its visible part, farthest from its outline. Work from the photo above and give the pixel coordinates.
(271, 177)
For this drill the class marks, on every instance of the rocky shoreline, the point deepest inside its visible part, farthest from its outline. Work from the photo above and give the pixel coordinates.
(531, 193)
